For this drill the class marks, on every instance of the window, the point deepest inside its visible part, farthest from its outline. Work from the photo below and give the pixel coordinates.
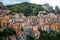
(23, 37)
(20, 37)
(37, 36)
(22, 34)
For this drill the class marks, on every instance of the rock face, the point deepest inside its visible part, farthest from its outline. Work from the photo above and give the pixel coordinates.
(48, 7)
(3, 10)
(1, 5)
(57, 10)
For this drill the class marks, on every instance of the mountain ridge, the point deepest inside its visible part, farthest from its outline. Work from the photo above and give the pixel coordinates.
(26, 8)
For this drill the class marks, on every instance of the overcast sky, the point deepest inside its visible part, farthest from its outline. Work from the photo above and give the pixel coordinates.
(51, 2)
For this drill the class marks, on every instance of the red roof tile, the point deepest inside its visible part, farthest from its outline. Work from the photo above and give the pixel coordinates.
(20, 21)
(12, 37)
(14, 25)
(2, 18)
(36, 31)
(20, 32)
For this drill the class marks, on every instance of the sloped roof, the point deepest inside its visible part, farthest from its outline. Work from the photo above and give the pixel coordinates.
(20, 32)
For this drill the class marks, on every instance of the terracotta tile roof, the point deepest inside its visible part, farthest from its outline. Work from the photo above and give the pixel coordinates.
(36, 32)
(23, 27)
(46, 23)
(41, 23)
(1, 15)
(14, 25)
(2, 18)
(12, 37)
(20, 21)
(20, 32)
(5, 17)
(23, 16)
(13, 17)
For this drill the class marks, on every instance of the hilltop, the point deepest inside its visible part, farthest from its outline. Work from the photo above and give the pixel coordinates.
(26, 8)
(29, 9)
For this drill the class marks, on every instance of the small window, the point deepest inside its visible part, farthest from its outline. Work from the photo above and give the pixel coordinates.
(22, 34)
(20, 37)
(37, 36)
(23, 37)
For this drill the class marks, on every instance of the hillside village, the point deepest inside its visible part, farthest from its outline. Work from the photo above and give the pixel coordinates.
(28, 26)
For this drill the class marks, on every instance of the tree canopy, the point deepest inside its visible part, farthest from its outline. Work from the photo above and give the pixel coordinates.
(26, 8)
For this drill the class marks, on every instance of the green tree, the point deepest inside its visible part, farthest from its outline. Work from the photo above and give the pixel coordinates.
(30, 37)
(26, 8)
